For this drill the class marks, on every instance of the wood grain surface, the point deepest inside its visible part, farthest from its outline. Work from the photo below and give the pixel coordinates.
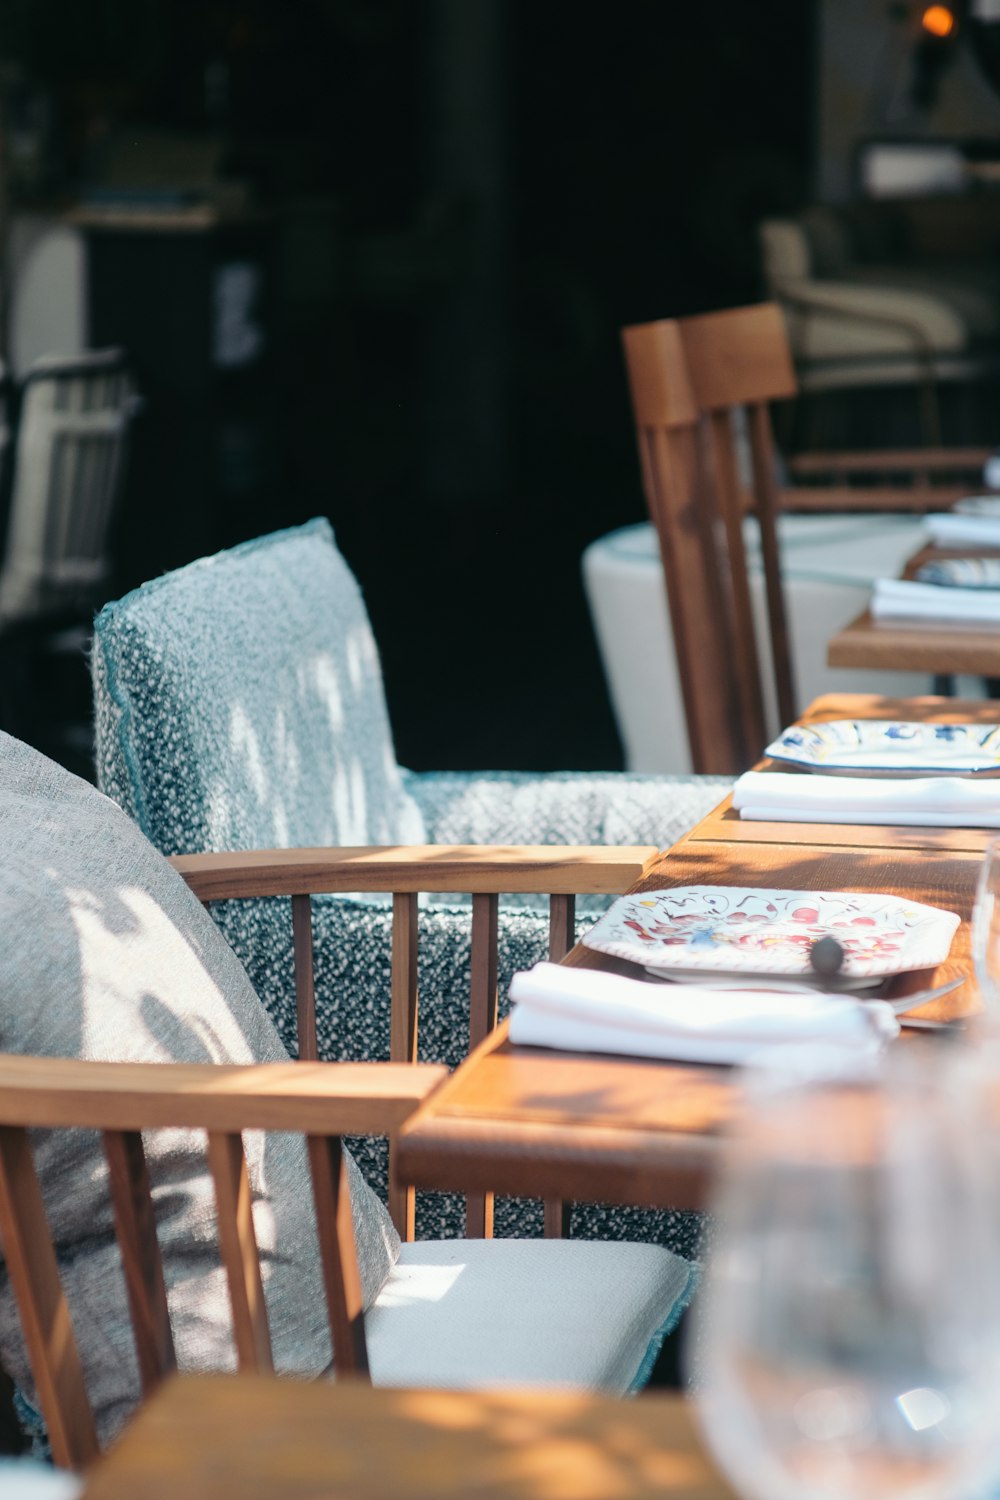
(251, 1438)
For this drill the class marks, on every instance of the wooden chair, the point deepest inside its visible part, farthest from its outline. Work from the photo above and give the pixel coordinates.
(687, 378)
(560, 873)
(323, 1101)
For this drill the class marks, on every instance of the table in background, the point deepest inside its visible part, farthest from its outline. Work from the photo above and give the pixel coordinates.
(588, 1127)
(941, 648)
(242, 1437)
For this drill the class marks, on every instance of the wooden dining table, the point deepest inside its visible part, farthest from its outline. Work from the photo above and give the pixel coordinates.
(252, 1437)
(588, 1127)
(941, 648)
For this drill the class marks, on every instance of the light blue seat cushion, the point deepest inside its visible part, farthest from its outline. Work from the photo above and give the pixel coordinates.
(239, 704)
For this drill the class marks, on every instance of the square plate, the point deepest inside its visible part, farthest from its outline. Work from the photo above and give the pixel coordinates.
(735, 929)
(891, 747)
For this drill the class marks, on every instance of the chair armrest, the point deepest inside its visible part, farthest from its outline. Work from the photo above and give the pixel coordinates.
(543, 869)
(927, 324)
(312, 1097)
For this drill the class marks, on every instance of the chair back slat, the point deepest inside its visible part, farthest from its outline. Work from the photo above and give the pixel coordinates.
(135, 1227)
(482, 1020)
(45, 1317)
(762, 457)
(240, 1256)
(562, 937)
(305, 989)
(562, 926)
(685, 513)
(483, 873)
(403, 1037)
(341, 1275)
(748, 721)
(403, 1001)
(689, 380)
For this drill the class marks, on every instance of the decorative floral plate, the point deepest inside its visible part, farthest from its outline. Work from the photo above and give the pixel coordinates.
(731, 929)
(889, 747)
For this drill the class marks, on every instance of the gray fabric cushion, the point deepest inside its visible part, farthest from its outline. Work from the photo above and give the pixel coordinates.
(107, 954)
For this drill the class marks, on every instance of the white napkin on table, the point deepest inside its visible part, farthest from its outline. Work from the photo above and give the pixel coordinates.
(920, 801)
(949, 529)
(587, 1010)
(903, 599)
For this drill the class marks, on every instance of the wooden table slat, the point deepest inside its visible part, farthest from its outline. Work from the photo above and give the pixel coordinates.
(216, 1438)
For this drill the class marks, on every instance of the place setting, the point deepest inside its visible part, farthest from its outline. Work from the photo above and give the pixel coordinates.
(889, 773)
(727, 971)
(960, 589)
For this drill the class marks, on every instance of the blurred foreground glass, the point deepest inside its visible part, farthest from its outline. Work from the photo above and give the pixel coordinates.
(986, 932)
(847, 1341)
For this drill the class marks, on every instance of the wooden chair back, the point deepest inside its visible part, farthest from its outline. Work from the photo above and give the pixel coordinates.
(322, 1101)
(559, 872)
(688, 378)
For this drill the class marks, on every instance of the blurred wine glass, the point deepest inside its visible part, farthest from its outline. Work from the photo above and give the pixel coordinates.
(986, 931)
(847, 1341)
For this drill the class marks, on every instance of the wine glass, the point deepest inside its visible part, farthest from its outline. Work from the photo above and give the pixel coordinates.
(846, 1344)
(986, 930)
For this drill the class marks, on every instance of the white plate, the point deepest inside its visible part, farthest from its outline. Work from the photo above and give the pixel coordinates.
(735, 929)
(891, 747)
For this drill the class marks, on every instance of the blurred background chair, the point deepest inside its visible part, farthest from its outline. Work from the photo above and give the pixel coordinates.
(239, 705)
(63, 479)
(874, 303)
(699, 647)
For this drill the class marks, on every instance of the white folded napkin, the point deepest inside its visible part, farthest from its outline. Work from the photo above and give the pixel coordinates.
(949, 529)
(586, 1010)
(921, 801)
(902, 599)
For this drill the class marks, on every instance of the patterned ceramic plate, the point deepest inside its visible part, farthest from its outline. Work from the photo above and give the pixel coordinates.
(731, 929)
(889, 747)
(978, 505)
(962, 572)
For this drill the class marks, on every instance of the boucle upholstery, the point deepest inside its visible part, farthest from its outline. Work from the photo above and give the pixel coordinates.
(239, 704)
(108, 955)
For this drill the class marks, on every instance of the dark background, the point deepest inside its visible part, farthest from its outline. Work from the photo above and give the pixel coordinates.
(461, 202)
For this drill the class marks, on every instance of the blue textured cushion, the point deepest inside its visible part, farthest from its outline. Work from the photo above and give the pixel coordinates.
(239, 704)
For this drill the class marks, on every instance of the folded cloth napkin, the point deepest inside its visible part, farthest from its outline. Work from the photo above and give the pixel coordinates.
(921, 801)
(586, 1010)
(901, 599)
(952, 530)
